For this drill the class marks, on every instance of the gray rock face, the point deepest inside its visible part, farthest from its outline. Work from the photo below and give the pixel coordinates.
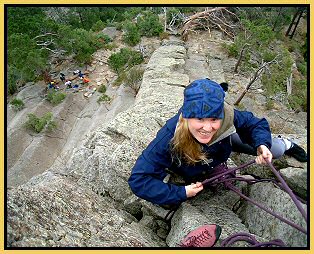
(266, 225)
(207, 208)
(112, 32)
(61, 214)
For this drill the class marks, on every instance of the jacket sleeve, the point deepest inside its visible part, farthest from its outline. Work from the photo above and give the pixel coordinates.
(252, 130)
(146, 180)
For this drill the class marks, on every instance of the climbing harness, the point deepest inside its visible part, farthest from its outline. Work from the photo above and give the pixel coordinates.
(225, 175)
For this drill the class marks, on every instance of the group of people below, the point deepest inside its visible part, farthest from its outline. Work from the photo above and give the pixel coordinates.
(67, 82)
(197, 139)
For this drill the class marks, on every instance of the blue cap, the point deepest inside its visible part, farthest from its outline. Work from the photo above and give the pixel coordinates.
(203, 98)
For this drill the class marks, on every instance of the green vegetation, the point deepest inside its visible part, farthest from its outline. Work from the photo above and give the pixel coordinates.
(133, 78)
(269, 103)
(149, 25)
(110, 46)
(298, 98)
(125, 58)
(104, 97)
(36, 34)
(103, 38)
(98, 26)
(55, 97)
(259, 40)
(38, 124)
(17, 104)
(79, 42)
(275, 80)
(121, 77)
(102, 89)
(163, 35)
(132, 34)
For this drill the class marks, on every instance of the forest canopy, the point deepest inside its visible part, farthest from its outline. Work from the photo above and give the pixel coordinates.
(36, 34)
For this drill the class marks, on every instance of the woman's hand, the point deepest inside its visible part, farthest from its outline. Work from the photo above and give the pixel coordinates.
(262, 154)
(192, 189)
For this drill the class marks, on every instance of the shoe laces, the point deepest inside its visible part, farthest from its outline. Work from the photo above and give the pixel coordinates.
(196, 241)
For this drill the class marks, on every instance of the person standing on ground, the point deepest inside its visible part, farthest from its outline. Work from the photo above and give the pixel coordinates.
(62, 77)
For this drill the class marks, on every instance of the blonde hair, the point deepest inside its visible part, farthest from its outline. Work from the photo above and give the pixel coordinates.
(184, 146)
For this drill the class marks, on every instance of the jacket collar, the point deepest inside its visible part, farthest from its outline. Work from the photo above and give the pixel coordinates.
(227, 127)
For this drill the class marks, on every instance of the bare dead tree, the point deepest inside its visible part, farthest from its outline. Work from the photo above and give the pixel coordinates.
(213, 17)
(176, 20)
(240, 57)
(46, 42)
(256, 75)
(165, 14)
(295, 21)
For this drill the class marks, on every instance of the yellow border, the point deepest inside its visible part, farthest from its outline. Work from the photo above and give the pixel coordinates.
(137, 2)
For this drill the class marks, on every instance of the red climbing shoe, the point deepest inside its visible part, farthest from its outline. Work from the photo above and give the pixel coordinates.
(203, 236)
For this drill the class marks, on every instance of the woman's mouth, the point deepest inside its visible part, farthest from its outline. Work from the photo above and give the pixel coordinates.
(205, 133)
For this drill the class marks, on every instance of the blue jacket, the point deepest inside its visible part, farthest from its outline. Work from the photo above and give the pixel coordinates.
(146, 180)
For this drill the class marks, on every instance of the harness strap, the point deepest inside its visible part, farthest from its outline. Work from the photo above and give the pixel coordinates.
(222, 168)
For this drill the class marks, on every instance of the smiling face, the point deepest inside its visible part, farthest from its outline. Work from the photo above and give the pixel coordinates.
(203, 129)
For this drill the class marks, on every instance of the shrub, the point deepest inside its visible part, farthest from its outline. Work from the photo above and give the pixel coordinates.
(133, 78)
(232, 49)
(13, 77)
(118, 25)
(102, 89)
(124, 58)
(269, 104)
(18, 104)
(38, 124)
(275, 80)
(302, 67)
(103, 38)
(12, 88)
(298, 98)
(104, 97)
(79, 42)
(55, 97)
(119, 80)
(149, 24)
(110, 46)
(98, 26)
(132, 34)
(164, 35)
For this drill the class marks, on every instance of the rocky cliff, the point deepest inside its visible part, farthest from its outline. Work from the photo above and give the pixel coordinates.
(84, 199)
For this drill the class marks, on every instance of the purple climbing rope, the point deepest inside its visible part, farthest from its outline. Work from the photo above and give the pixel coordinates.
(227, 176)
(242, 236)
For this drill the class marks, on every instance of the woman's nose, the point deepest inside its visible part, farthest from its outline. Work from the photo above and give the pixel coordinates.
(207, 126)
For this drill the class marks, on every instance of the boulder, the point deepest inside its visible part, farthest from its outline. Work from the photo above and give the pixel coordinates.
(62, 214)
(267, 226)
(112, 32)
